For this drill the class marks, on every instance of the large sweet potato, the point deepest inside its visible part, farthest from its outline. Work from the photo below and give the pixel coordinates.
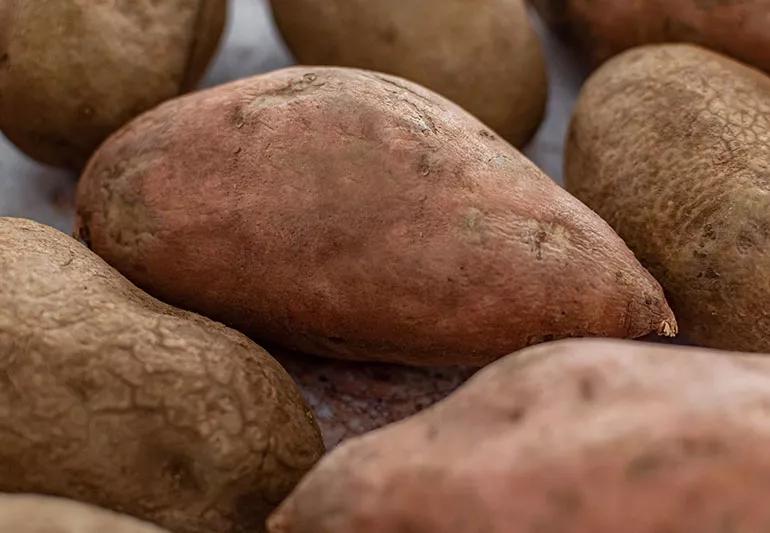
(580, 436)
(357, 215)
(671, 145)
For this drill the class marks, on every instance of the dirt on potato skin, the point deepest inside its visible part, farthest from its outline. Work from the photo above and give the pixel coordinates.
(114, 398)
(605, 28)
(670, 144)
(34, 513)
(406, 232)
(74, 71)
(484, 55)
(578, 436)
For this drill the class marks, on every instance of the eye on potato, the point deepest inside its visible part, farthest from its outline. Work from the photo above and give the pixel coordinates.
(74, 71)
(577, 436)
(738, 28)
(113, 398)
(483, 55)
(33, 513)
(671, 145)
(356, 215)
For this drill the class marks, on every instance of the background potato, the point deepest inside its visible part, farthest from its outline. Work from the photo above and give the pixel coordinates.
(113, 398)
(74, 71)
(402, 232)
(27, 513)
(353, 398)
(606, 27)
(577, 436)
(671, 145)
(483, 55)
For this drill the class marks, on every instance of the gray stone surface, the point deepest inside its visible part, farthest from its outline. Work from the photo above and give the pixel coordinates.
(252, 45)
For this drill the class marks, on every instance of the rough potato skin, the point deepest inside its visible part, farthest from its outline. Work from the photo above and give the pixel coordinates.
(483, 55)
(605, 28)
(353, 398)
(671, 145)
(357, 215)
(33, 513)
(113, 398)
(74, 71)
(579, 436)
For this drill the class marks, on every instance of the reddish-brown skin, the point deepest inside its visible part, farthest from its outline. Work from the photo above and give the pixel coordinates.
(606, 27)
(670, 144)
(580, 436)
(357, 215)
(111, 397)
(352, 398)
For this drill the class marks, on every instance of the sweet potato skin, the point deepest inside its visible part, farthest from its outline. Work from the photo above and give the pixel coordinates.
(607, 27)
(33, 513)
(671, 145)
(579, 436)
(482, 55)
(113, 398)
(74, 71)
(405, 232)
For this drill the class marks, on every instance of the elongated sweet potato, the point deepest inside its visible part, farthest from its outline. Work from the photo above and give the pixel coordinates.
(671, 145)
(113, 398)
(580, 436)
(357, 215)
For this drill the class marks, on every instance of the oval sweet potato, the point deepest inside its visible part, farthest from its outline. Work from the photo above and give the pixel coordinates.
(113, 398)
(32, 513)
(671, 145)
(580, 436)
(357, 215)
(607, 27)
(74, 71)
(483, 55)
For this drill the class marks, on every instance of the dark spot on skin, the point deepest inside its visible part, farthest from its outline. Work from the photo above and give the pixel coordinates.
(487, 135)
(389, 35)
(432, 433)
(180, 470)
(517, 415)
(587, 390)
(4, 60)
(644, 465)
(565, 500)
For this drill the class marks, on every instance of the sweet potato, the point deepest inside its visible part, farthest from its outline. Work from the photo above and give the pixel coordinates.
(113, 398)
(74, 71)
(357, 215)
(671, 145)
(579, 436)
(607, 27)
(483, 55)
(32, 513)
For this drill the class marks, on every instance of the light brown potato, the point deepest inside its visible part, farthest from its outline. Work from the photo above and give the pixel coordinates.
(671, 145)
(580, 436)
(74, 71)
(113, 398)
(357, 215)
(353, 398)
(33, 513)
(607, 27)
(483, 55)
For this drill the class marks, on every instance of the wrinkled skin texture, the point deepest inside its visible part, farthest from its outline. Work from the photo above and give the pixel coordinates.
(28, 513)
(353, 398)
(74, 71)
(113, 398)
(607, 27)
(671, 145)
(402, 232)
(580, 436)
(483, 55)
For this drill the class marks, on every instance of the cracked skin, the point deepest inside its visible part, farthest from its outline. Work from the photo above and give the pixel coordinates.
(113, 398)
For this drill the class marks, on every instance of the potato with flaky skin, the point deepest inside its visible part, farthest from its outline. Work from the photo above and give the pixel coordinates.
(607, 27)
(671, 145)
(580, 436)
(74, 71)
(484, 55)
(113, 398)
(33, 513)
(357, 215)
